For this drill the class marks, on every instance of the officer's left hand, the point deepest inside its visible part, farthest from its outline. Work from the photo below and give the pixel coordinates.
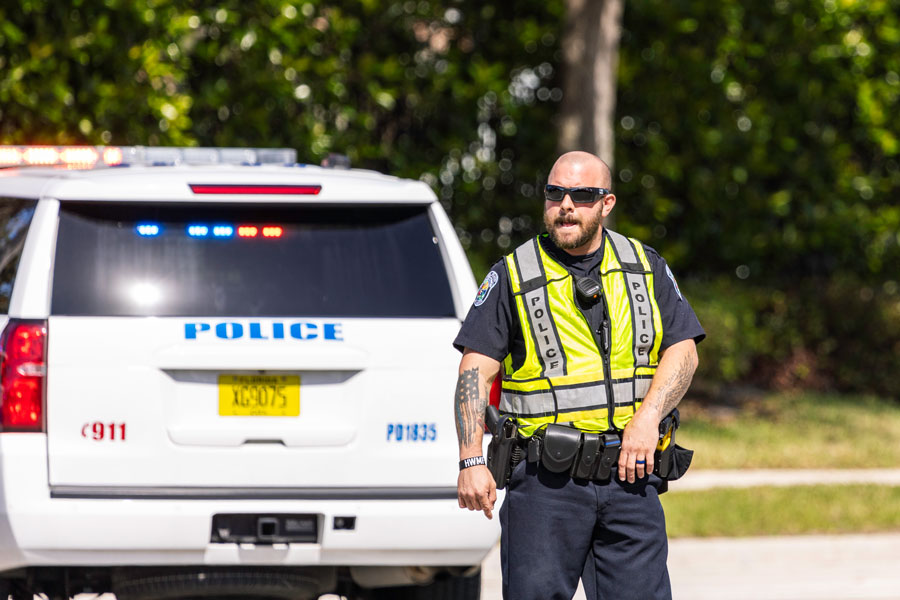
(639, 442)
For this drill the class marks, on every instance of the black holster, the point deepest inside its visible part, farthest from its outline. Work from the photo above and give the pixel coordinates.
(504, 432)
(671, 460)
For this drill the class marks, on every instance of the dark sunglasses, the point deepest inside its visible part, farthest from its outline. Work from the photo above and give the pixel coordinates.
(555, 193)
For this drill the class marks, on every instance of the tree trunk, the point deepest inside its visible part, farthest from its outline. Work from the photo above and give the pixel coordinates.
(590, 61)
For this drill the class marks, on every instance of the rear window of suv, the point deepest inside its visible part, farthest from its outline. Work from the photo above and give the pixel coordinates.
(15, 218)
(129, 259)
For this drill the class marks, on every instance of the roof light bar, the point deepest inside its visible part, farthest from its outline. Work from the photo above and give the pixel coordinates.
(10, 156)
(227, 188)
(87, 157)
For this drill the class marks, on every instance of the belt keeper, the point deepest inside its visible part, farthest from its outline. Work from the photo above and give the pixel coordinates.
(534, 448)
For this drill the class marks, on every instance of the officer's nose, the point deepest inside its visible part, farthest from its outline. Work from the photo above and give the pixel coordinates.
(567, 205)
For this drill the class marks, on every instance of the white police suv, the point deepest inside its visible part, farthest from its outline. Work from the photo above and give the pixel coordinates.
(228, 375)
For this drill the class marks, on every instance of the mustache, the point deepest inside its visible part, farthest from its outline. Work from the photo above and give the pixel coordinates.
(567, 219)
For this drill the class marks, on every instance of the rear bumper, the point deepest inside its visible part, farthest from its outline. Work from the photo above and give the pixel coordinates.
(37, 529)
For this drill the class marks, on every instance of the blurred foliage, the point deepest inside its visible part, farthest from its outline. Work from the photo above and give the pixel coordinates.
(755, 145)
(459, 93)
(756, 138)
(761, 130)
(839, 333)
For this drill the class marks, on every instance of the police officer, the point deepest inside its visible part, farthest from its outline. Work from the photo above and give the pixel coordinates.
(614, 363)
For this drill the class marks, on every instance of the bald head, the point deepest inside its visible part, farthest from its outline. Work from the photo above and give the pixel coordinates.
(578, 168)
(577, 228)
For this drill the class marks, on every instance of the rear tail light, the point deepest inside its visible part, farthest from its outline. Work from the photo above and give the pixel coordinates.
(22, 375)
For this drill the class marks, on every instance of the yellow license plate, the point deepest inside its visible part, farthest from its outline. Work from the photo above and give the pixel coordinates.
(259, 395)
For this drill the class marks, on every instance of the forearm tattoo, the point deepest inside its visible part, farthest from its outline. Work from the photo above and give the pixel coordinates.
(673, 389)
(470, 405)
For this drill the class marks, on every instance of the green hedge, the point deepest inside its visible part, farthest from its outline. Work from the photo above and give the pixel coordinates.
(838, 334)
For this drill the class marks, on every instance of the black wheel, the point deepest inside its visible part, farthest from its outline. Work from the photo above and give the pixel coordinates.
(445, 587)
(222, 585)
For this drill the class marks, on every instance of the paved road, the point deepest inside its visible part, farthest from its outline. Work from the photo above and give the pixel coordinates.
(844, 567)
(847, 567)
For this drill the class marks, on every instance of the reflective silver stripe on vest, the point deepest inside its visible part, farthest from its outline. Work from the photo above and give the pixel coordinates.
(549, 346)
(528, 261)
(581, 397)
(623, 393)
(639, 296)
(533, 404)
(641, 387)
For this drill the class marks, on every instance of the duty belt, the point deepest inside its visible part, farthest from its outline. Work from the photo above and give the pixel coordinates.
(584, 455)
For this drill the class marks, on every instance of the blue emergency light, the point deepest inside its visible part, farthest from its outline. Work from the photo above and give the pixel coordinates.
(148, 229)
(198, 230)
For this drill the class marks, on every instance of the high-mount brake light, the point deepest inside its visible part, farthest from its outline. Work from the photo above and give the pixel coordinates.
(274, 189)
(88, 157)
(22, 373)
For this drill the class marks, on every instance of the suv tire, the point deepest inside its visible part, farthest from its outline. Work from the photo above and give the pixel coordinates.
(449, 587)
(243, 583)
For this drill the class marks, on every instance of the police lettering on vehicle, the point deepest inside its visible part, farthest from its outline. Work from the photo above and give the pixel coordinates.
(254, 330)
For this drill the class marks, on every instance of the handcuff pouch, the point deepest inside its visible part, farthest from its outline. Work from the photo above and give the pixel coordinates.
(560, 447)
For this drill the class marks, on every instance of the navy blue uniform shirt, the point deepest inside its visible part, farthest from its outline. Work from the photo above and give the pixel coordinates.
(492, 326)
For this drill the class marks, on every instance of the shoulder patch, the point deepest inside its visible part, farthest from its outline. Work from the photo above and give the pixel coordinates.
(486, 286)
(674, 283)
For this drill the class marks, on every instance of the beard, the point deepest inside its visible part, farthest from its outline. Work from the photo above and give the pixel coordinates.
(588, 230)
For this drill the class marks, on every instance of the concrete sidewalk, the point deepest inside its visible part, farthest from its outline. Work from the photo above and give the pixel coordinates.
(845, 567)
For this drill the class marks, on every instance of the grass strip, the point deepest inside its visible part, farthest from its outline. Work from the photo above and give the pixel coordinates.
(829, 509)
(796, 431)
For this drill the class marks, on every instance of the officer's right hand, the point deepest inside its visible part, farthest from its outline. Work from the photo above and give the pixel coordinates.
(476, 490)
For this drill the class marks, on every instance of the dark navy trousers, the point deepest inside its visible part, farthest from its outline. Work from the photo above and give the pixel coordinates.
(556, 530)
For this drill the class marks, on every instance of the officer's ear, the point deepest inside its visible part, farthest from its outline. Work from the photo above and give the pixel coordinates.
(609, 201)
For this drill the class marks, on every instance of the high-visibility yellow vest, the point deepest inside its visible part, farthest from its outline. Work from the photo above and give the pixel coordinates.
(566, 376)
